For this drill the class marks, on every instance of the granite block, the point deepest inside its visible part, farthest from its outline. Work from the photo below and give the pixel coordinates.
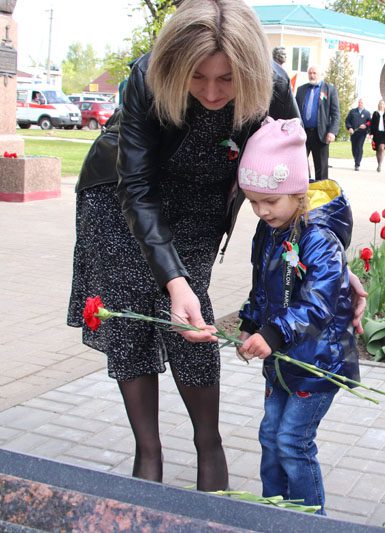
(38, 493)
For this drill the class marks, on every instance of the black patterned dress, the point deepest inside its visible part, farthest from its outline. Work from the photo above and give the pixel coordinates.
(194, 188)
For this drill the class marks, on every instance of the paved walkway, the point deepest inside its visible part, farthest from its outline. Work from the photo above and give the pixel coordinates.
(56, 401)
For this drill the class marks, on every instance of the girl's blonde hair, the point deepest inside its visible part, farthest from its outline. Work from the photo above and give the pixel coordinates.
(197, 30)
(303, 208)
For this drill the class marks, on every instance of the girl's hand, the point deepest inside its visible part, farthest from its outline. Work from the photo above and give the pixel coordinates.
(255, 346)
(243, 335)
(359, 301)
(185, 308)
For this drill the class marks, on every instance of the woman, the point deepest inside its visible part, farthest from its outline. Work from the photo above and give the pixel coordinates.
(188, 109)
(377, 130)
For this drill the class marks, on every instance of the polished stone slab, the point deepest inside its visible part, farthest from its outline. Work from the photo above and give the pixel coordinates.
(50, 496)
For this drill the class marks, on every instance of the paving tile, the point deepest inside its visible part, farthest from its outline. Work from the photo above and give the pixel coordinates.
(95, 455)
(369, 487)
(52, 448)
(7, 433)
(25, 418)
(26, 442)
(64, 433)
(346, 517)
(116, 438)
(85, 463)
(377, 517)
(330, 453)
(247, 465)
(49, 405)
(86, 424)
(340, 480)
(355, 506)
(372, 438)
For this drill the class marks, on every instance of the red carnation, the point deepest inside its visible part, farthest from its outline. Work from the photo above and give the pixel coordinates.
(92, 307)
(383, 214)
(366, 255)
(375, 217)
(382, 234)
(374, 146)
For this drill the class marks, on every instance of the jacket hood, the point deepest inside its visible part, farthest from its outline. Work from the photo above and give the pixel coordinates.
(330, 207)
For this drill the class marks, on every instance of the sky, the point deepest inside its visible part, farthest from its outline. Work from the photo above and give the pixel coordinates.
(94, 22)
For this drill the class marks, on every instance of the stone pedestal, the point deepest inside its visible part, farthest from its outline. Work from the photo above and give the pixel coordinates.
(9, 141)
(29, 178)
(23, 178)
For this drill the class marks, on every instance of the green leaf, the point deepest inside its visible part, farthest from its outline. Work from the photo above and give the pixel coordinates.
(380, 354)
(374, 335)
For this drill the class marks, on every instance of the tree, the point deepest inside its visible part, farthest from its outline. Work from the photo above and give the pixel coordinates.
(365, 9)
(340, 72)
(80, 67)
(157, 11)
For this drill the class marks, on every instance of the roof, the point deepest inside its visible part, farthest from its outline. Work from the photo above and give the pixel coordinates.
(312, 17)
(104, 83)
(22, 74)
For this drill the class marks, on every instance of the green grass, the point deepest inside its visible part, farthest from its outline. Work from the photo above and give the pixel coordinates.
(343, 150)
(62, 134)
(71, 154)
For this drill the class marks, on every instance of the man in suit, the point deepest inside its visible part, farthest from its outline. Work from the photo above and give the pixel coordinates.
(357, 123)
(320, 112)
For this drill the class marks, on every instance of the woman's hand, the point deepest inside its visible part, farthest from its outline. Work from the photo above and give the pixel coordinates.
(255, 346)
(359, 301)
(185, 308)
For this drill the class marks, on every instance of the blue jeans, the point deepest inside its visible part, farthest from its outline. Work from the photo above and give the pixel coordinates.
(289, 465)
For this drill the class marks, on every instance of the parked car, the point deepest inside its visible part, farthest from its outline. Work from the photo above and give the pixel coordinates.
(80, 98)
(95, 114)
(46, 106)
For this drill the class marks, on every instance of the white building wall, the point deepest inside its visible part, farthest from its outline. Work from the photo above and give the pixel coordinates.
(367, 64)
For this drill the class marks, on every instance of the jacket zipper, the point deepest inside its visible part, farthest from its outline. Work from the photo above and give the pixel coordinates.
(267, 263)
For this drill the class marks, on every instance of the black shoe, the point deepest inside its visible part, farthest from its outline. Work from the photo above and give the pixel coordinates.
(357, 168)
(379, 168)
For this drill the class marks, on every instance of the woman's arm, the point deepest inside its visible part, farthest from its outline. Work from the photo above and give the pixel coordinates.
(138, 179)
(359, 301)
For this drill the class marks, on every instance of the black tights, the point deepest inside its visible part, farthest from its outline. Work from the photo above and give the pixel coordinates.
(202, 403)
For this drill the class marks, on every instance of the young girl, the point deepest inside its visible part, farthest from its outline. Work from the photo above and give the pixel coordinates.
(300, 303)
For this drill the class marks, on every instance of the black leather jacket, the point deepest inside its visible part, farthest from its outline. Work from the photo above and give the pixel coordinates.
(144, 144)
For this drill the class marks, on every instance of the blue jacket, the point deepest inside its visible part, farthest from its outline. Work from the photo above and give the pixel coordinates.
(316, 326)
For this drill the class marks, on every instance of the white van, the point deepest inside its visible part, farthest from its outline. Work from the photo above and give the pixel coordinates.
(46, 106)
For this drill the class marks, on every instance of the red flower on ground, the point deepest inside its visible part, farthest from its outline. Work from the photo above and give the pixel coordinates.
(375, 217)
(382, 234)
(366, 255)
(383, 214)
(92, 307)
(12, 155)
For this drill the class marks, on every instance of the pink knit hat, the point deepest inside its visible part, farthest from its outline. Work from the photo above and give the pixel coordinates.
(275, 159)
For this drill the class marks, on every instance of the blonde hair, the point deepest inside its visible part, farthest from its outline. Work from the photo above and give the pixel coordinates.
(197, 30)
(303, 208)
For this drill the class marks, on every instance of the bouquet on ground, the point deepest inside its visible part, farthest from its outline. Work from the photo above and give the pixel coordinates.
(95, 313)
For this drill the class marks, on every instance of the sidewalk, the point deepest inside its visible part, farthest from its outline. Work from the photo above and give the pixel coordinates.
(57, 402)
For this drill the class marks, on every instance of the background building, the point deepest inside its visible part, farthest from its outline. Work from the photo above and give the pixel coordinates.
(313, 36)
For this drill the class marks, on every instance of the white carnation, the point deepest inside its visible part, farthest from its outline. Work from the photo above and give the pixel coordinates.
(280, 173)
